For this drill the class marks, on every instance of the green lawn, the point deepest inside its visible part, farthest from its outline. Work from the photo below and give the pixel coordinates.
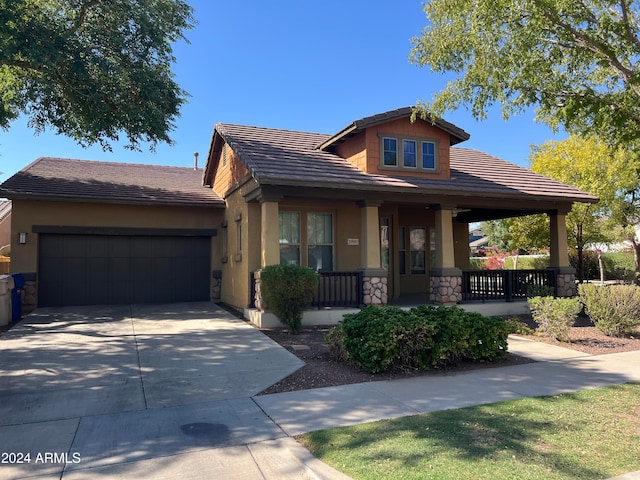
(591, 434)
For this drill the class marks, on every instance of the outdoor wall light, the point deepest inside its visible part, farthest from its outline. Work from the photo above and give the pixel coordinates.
(22, 238)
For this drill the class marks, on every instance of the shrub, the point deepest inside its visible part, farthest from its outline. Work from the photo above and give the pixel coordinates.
(619, 266)
(554, 316)
(335, 340)
(514, 325)
(540, 291)
(381, 338)
(614, 310)
(288, 290)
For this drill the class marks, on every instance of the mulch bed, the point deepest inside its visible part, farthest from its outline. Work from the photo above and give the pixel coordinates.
(321, 369)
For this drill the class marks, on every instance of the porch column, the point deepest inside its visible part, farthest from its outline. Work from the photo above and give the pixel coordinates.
(559, 255)
(270, 233)
(445, 277)
(374, 278)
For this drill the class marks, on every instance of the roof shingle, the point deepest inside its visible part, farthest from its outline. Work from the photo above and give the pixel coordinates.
(69, 179)
(290, 158)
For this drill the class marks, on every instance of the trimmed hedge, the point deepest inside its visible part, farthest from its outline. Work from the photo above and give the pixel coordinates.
(381, 338)
(288, 291)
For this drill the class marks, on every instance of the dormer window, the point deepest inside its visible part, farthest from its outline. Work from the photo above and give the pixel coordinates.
(414, 154)
(390, 152)
(428, 155)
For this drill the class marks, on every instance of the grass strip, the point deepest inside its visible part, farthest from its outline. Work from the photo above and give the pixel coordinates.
(593, 434)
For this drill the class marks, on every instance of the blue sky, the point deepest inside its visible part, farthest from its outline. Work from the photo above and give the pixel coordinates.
(290, 65)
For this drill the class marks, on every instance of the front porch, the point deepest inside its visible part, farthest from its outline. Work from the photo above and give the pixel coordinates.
(333, 315)
(497, 292)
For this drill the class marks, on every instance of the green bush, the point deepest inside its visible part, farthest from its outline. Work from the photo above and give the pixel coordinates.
(288, 291)
(540, 291)
(385, 337)
(335, 340)
(618, 266)
(515, 326)
(615, 310)
(554, 316)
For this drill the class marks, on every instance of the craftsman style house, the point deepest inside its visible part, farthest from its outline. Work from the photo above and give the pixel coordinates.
(387, 198)
(381, 209)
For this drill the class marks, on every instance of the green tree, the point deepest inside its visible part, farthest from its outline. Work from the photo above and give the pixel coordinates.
(625, 210)
(92, 69)
(577, 61)
(590, 166)
(526, 234)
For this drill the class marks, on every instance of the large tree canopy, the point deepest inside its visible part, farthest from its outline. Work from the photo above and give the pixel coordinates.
(92, 69)
(577, 61)
(593, 167)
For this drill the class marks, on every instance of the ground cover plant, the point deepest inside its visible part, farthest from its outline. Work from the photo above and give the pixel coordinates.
(592, 434)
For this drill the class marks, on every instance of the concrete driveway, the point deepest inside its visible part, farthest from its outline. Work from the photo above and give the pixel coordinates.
(136, 392)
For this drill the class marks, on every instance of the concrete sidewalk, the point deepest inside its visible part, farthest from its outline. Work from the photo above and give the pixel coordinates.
(170, 392)
(557, 370)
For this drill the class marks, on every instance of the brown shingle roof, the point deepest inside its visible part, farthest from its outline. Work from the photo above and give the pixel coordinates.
(68, 179)
(457, 134)
(289, 158)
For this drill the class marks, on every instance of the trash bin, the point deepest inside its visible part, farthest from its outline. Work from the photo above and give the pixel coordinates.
(16, 296)
(6, 284)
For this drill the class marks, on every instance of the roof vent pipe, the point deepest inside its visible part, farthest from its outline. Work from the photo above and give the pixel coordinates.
(195, 160)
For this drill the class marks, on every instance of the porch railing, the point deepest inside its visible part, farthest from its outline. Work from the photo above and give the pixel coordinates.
(339, 289)
(504, 285)
(335, 289)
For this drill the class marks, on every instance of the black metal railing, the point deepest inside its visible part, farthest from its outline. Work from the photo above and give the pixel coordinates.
(504, 285)
(339, 289)
(335, 289)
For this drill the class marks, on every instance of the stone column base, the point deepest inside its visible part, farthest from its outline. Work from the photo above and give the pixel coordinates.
(29, 296)
(566, 282)
(259, 302)
(374, 290)
(216, 285)
(446, 286)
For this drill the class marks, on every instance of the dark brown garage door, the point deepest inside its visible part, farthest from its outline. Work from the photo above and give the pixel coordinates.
(122, 269)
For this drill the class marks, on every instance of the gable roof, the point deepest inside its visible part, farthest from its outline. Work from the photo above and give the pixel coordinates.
(457, 135)
(109, 182)
(290, 158)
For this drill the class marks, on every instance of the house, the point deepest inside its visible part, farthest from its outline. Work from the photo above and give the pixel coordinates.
(109, 233)
(477, 241)
(5, 226)
(5, 235)
(386, 201)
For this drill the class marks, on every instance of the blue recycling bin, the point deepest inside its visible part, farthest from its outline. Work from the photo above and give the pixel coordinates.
(16, 296)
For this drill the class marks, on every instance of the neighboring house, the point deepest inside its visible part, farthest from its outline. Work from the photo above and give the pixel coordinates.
(5, 225)
(477, 241)
(386, 198)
